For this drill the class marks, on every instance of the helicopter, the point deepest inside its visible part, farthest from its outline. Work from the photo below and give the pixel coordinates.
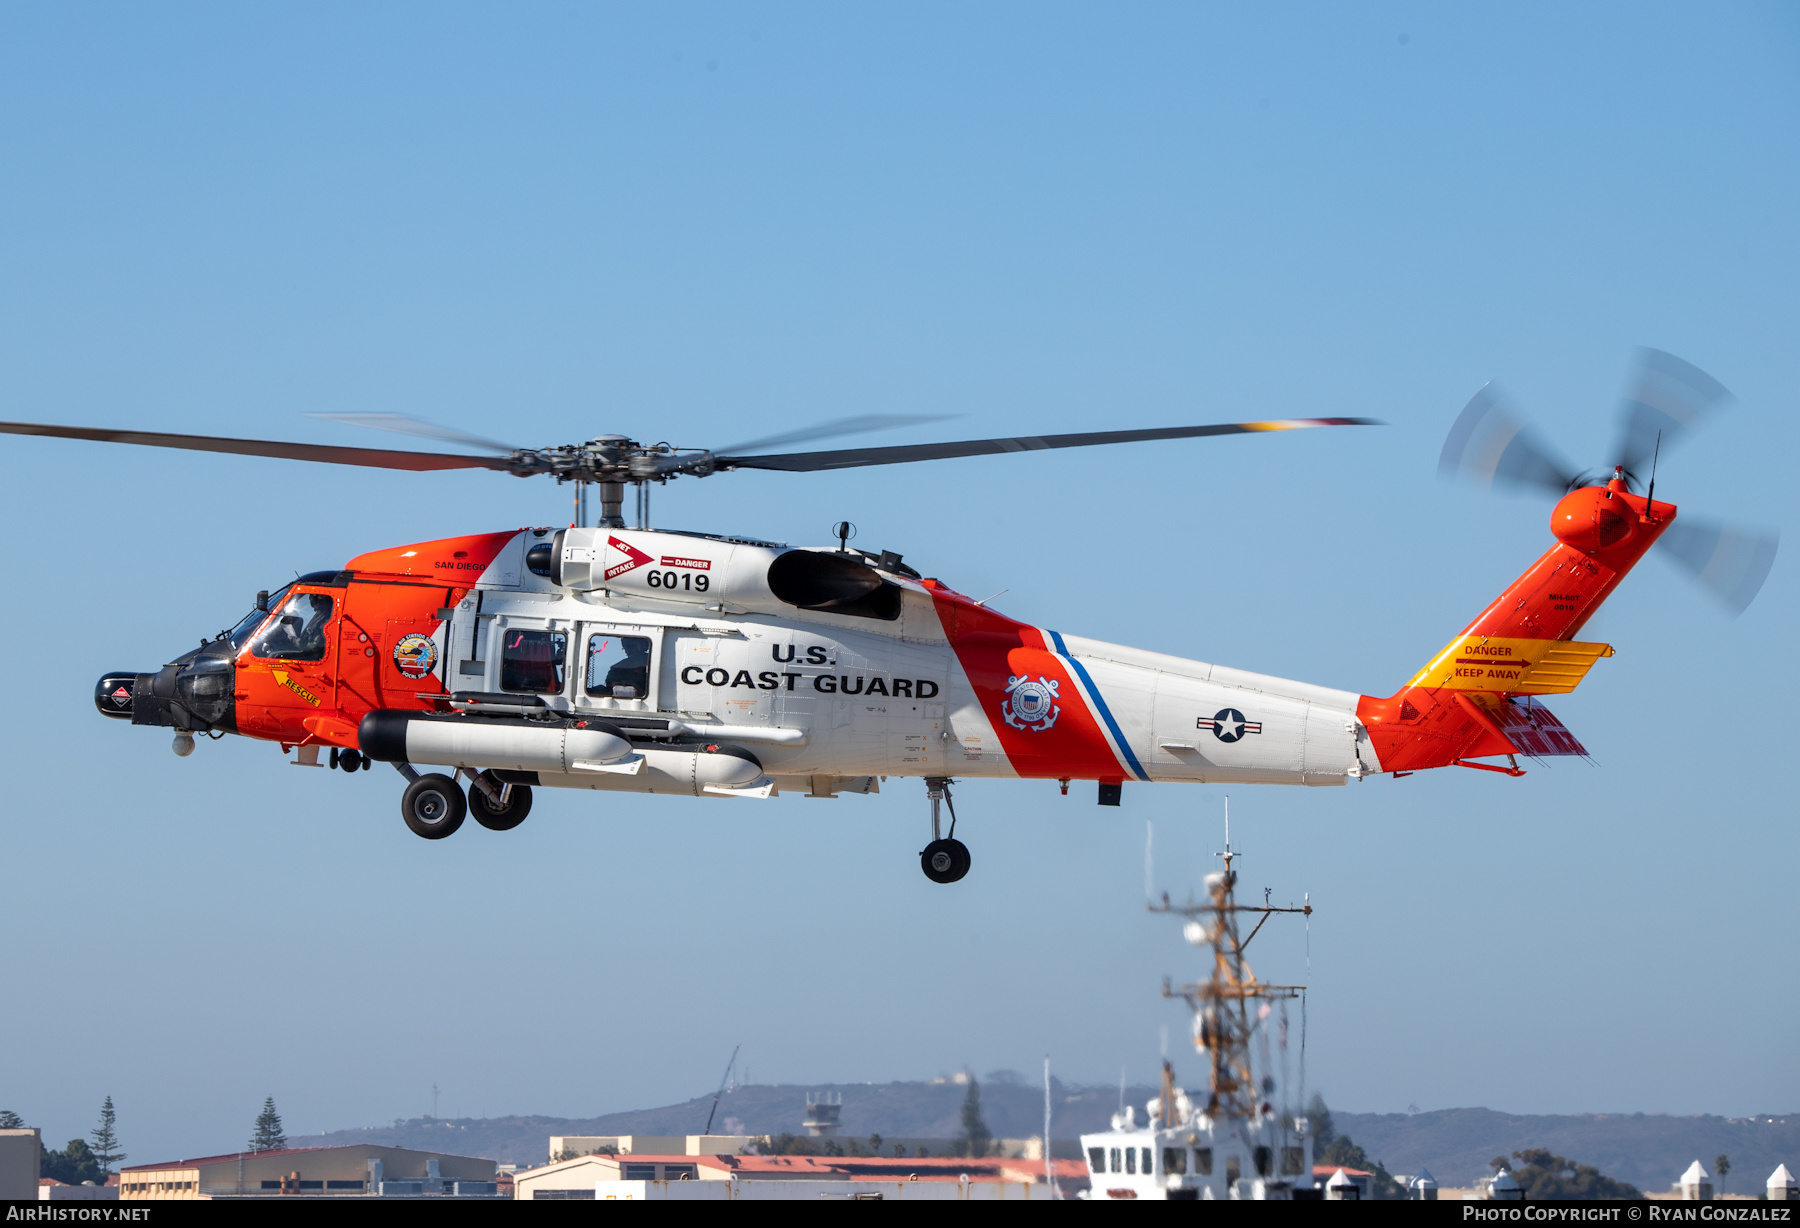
(635, 659)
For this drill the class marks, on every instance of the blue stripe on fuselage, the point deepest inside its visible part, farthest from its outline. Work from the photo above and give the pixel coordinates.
(1093, 691)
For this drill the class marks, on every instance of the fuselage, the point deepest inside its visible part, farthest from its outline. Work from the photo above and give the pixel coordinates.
(656, 661)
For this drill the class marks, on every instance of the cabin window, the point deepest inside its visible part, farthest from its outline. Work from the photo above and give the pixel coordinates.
(1265, 1156)
(1293, 1161)
(1097, 1159)
(1203, 1161)
(1146, 1162)
(1131, 1159)
(618, 666)
(1117, 1164)
(533, 661)
(1175, 1160)
(297, 632)
(1233, 1169)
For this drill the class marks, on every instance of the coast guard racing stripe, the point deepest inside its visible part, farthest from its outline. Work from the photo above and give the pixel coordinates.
(1052, 731)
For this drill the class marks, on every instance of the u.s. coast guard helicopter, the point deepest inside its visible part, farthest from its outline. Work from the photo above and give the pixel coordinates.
(633, 659)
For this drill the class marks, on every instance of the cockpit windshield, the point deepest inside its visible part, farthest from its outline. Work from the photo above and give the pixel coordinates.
(297, 632)
(240, 634)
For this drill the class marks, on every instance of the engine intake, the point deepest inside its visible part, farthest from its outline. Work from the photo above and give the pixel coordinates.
(834, 583)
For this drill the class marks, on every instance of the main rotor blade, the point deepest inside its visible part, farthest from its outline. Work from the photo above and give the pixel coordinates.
(373, 458)
(1489, 442)
(1667, 396)
(1728, 561)
(406, 424)
(850, 458)
(857, 425)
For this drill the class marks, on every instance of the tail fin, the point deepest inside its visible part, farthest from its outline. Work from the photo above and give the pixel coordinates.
(1458, 707)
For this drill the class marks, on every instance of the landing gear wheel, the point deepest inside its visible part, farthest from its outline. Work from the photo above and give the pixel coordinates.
(945, 861)
(433, 806)
(499, 818)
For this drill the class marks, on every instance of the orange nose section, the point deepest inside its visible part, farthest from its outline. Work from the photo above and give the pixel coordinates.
(1593, 519)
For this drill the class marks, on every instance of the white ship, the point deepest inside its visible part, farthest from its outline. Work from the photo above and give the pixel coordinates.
(1234, 1144)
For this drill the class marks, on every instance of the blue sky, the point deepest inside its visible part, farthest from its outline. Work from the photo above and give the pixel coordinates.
(707, 222)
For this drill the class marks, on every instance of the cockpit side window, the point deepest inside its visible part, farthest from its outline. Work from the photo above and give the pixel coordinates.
(241, 634)
(617, 664)
(297, 632)
(533, 661)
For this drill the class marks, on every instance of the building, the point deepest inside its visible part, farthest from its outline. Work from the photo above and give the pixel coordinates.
(568, 1146)
(361, 1169)
(823, 1113)
(1504, 1188)
(1364, 1182)
(741, 1189)
(1696, 1184)
(1782, 1187)
(578, 1178)
(20, 1151)
(52, 1190)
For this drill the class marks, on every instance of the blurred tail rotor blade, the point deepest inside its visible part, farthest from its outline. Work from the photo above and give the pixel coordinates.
(856, 425)
(406, 424)
(1728, 561)
(1668, 396)
(1489, 443)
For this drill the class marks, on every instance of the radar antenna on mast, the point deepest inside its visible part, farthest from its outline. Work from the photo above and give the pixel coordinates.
(1224, 1024)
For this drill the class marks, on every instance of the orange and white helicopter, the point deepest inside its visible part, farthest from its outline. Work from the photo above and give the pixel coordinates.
(642, 660)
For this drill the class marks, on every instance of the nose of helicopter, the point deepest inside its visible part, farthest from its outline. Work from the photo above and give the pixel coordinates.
(191, 694)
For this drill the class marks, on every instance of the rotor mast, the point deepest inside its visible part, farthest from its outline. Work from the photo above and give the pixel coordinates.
(612, 462)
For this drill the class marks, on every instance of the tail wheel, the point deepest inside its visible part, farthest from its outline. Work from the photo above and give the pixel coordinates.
(499, 818)
(945, 861)
(433, 806)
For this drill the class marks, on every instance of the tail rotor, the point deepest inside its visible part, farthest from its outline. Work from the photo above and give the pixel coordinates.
(1492, 444)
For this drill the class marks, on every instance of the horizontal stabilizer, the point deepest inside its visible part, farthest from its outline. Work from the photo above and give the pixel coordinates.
(1535, 730)
(1508, 665)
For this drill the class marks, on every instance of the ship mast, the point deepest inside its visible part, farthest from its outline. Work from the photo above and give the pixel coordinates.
(1224, 1020)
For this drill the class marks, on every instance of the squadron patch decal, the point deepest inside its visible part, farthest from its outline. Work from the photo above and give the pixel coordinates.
(415, 655)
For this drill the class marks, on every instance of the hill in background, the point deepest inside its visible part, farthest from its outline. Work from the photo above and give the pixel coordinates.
(1649, 1151)
(1012, 1107)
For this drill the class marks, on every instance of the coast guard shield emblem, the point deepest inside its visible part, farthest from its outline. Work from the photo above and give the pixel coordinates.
(1031, 705)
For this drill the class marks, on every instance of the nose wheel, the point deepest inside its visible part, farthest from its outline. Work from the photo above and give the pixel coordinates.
(946, 859)
(433, 806)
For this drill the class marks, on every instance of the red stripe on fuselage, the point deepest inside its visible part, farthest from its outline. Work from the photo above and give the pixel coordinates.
(993, 650)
